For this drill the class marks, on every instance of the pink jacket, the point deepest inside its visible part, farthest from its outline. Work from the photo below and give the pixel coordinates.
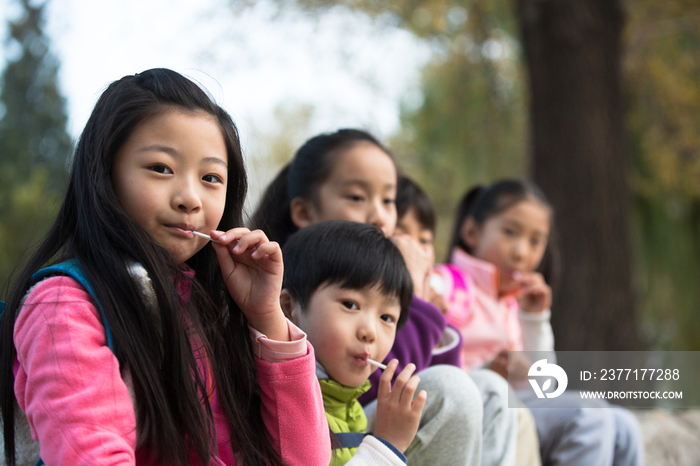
(488, 323)
(68, 383)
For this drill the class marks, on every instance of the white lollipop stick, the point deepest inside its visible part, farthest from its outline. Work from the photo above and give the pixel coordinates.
(202, 235)
(378, 364)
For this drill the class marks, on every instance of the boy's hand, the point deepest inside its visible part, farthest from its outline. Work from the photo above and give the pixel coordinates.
(499, 364)
(518, 367)
(513, 367)
(437, 300)
(398, 414)
(418, 260)
(535, 295)
(253, 269)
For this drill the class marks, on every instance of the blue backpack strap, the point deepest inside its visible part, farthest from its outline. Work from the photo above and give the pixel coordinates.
(350, 439)
(72, 268)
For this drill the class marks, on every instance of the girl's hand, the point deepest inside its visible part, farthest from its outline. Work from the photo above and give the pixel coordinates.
(535, 295)
(253, 269)
(419, 261)
(398, 414)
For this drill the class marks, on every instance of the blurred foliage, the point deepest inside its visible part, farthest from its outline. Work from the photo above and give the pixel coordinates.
(471, 127)
(34, 144)
(291, 124)
(662, 70)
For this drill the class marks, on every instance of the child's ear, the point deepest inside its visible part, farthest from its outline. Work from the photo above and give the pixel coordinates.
(289, 307)
(302, 212)
(470, 232)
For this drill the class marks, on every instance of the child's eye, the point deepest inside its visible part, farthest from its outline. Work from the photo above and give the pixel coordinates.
(213, 179)
(352, 305)
(158, 168)
(388, 318)
(535, 242)
(356, 198)
(389, 201)
(509, 232)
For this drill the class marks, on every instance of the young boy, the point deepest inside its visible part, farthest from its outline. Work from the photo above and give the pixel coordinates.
(346, 285)
(416, 218)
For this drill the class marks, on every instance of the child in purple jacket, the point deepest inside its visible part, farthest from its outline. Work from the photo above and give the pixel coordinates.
(349, 175)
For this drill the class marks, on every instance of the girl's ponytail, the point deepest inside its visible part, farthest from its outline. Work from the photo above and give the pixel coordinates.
(464, 210)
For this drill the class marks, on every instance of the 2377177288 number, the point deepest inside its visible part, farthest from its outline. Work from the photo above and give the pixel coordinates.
(633, 374)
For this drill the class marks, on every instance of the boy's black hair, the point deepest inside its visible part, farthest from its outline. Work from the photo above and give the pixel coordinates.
(410, 195)
(349, 254)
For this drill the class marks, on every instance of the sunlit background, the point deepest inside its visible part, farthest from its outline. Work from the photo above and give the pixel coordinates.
(277, 73)
(445, 84)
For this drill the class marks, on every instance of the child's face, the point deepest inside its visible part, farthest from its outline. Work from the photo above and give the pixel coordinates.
(361, 188)
(171, 176)
(411, 226)
(348, 326)
(514, 240)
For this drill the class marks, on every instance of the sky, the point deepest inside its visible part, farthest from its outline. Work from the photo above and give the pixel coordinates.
(252, 60)
(257, 63)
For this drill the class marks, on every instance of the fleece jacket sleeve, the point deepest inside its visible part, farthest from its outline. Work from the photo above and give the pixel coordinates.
(278, 351)
(292, 409)
(67, 380)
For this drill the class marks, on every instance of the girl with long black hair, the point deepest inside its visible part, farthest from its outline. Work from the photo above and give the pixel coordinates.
(203, 367)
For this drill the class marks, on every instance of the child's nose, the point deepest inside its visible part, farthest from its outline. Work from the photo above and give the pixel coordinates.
(377, 215)
(520, 248)
(186, 198)
(366, 332)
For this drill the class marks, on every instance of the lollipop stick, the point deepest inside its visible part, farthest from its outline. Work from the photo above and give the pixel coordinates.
(202, 235)
(378, 364)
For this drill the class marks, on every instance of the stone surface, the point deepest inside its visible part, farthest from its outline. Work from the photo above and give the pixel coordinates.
(671, 438)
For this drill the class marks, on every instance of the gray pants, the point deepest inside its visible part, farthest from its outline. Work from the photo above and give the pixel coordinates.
(500, 422)
(450, 430)
(601, 435)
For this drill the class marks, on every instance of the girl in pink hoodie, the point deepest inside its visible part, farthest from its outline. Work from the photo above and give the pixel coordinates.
(498, 298)
(199, 365)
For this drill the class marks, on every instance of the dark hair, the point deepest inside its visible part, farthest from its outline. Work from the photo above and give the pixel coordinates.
(312, 165)
(92, 227)
(483, 202)
(349, 254)
(410, 195)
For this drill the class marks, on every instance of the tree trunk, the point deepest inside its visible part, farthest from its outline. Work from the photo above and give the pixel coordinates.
(579, 159)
